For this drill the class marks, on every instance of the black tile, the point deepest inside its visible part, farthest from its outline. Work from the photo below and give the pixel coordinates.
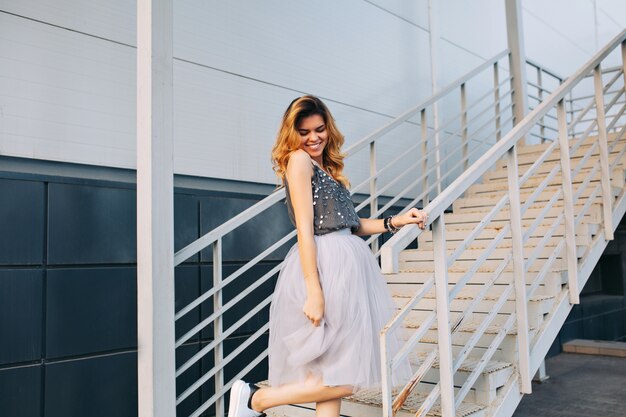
(208, 388)
(599, 304)
(245, 358)
(247, 303)
(188, 378)
(252, 237)
(186, 222)
(102, 386)
(187, 289)
(20, 391)
(90, 310)
(570, 331)
(21, 317)
(21, 222)
(89, 224)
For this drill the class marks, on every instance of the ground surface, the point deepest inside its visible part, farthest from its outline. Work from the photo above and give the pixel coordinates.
(579, 386)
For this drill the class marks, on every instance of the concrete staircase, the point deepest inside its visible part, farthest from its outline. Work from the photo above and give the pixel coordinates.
(416, 268)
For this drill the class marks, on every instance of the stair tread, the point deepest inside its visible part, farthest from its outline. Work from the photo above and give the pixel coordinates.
(467, 366)
(373, 398)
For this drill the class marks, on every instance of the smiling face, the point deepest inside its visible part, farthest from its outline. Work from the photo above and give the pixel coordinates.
(313, 136)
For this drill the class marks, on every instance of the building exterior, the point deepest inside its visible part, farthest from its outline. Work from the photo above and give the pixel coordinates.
(68, 333)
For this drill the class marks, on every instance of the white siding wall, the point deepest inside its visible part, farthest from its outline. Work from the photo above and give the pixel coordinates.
(67, 71)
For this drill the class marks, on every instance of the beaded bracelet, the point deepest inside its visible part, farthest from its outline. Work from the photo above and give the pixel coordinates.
(389, 226)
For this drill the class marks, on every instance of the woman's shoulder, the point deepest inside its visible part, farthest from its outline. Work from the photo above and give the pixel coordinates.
(299, 161)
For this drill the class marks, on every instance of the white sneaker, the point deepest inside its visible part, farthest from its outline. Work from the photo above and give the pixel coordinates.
(240, 400)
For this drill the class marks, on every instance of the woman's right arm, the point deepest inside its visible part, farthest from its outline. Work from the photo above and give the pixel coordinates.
(299, 173)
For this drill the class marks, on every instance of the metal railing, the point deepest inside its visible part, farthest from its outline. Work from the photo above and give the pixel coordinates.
(585, 164)
(484, 115)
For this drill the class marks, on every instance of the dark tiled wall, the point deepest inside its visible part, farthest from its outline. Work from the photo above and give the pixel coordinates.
(68, 344)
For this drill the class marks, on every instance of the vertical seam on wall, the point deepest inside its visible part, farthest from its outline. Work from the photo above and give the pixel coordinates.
(44, 283)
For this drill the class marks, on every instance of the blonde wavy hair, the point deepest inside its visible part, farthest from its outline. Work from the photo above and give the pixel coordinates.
(288, 138)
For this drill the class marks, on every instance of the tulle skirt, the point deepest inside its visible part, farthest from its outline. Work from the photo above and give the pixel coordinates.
(345, 348)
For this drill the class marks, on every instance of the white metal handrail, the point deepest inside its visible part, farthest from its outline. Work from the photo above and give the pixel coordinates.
(460, 127)
(505, 147)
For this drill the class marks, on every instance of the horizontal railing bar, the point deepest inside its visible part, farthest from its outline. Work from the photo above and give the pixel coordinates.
(228, 305)
(410, 345)
(412, 184)
(193, 387)
(209, 293)
(428, 154)
(544, 69)
(222, 337)
(397, 319)
(413, 111)
(480, 331)
(609, 70)
(450, 172)
(452, 192)
(479, 228)
(482, 363)
(538, 87)
(221, 230)
(227, 387)
(415, 380)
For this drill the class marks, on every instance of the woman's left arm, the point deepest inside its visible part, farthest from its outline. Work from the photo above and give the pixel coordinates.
(372, 226)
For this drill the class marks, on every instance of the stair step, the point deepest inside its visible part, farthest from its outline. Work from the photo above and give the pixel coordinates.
(464, 207)
(594, 214)
(490, 199)
(419, 316)
(584, 230)
(617, 179)
(368, 403)
(540, 147)
(473, 254)
(550, 286)
(548, 192)
(506, 242)
(494, 376)
(537, 305)
(543, 169)
(529, 158)
(477, 278)
(487, 266)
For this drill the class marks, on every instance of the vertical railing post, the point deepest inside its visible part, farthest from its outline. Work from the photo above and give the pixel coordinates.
(218, 352)
(156, 387)
(424, 128)
(496, 99)
(517, 59)
(624, 63)
(568, 205)
(605, 180)
(444, 337)
(542, 129)
(373, 189)
(386, 377)
(521, 309)
(433, 24)
(464, 127)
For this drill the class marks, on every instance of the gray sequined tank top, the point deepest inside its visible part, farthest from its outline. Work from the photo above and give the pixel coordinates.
(333, 208)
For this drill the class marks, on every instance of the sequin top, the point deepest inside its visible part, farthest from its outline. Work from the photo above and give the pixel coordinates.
(333, 208)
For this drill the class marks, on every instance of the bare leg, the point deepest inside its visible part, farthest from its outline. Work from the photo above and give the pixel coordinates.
(328, 408)
(310, 391)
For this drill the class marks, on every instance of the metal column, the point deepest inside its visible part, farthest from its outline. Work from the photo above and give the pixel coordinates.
(155, 211)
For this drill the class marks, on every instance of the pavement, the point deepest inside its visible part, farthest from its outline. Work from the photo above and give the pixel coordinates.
(579, 385)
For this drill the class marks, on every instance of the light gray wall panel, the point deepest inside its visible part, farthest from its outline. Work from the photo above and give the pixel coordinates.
(65, 96)
(111, 19)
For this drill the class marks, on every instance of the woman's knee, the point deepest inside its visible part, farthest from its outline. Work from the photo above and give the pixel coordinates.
(346, 390)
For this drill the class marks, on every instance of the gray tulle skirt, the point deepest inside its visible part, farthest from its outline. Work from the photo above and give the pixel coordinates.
(345, 348)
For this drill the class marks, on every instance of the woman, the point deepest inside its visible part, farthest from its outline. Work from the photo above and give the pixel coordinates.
(331, 300)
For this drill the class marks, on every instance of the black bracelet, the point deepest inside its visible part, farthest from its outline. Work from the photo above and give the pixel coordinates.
(388, 226)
